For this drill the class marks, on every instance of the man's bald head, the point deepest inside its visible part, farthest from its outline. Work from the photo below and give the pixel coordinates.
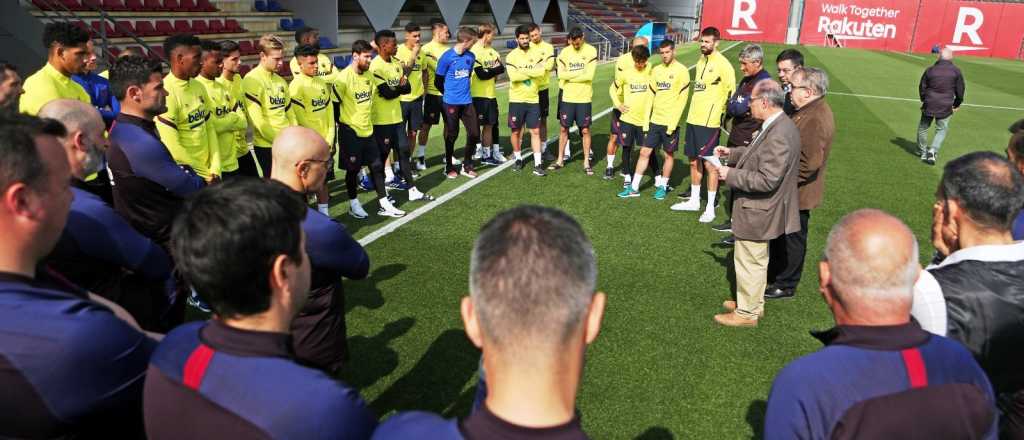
(85, 143)
(296, 150)
(74, 114)
(872, 259)
(946, 54)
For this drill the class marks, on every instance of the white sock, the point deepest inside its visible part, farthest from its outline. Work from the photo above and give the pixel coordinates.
(611, 160)
(496, 147)
(389, 174)
(711, 202)
(657, 181)
(484, 151)
(421, 151)
(636, 181)
(518, 155)
(362, 173)
(355, 203)
(322, 207)
(536, 160)
(695, 192)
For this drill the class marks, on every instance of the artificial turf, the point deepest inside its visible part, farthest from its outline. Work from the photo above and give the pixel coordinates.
(660, 368)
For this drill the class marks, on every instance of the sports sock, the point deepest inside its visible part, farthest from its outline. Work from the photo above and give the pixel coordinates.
(636, 181)
(389, 174)
(711, 202)
(611, 160)
(518, 154)
(695, 192)
(421, 151)
(536, 160)
(658, 182)
(323, 208)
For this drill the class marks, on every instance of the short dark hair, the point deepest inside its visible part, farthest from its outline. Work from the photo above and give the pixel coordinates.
(228, 46)
(19, 157)
(436, 23)
(666, 43)
(361, 46)
(1016, 145)
(180, 40)
(6, 67)
(226, 237)
(575, 33)
(711, 31)
(792, 55)
(523, 29)
(382, 34)
(306, 50)
(412, 27)
(640, 53)
(302, 31)
(988, 187)
(131, 70)
(65, 34)
(533, 26)
(465, 34)
(549, 293)
(209, 46)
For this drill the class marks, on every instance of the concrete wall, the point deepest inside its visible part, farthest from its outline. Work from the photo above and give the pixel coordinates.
(21, 36)
(682, 13)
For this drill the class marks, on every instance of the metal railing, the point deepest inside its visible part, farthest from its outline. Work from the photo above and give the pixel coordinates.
(60, 12)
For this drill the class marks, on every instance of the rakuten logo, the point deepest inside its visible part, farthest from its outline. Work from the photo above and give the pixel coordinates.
(968, 21)
(743, 11)
(846, 29)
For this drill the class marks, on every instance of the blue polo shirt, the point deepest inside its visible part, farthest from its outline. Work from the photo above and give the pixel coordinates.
(457, 71)
(1018, 227)
(99, 92)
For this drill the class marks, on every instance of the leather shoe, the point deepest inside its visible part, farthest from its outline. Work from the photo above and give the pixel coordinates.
(730, 305)
(731, 319)
(777, 293)
(728, 241)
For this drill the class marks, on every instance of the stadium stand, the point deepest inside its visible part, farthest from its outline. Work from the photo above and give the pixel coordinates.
(616, 15)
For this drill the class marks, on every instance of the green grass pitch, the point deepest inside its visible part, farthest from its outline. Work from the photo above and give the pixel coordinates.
(660, 368)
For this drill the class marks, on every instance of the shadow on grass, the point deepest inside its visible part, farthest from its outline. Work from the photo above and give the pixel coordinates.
(373, 358)
(726, 262)
(435, 383)
(755, 417)
(365, 293)
(906, 145)
(656, 433)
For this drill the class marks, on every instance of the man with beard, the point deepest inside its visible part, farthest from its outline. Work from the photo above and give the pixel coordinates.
(185, 127)
(67, 49)
(525, 67)
(307, 36)
(99, 251)
(577, 64)
(226, 116)
(10, 87)
(433, 106)
(547, 56)
(452, 78)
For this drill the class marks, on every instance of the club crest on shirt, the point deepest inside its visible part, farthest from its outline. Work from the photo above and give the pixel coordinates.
(699, 86)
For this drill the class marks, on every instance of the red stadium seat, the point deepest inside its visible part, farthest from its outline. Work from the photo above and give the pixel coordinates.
(125, 28)
(74, 5)
(144, 28)
(199, 27)
(243, 69)
(205, 6)
(182, 27)
(90, 5)
(172, 5)
(216, 27)
(163, 27)
(284, 70)
(187, 5)
(114, 5)
(134, 5)
(157, 52)
(246, 47)
(114, 51)
(154, 5)
(81, 25)
(42, 5)
(111, 33)
(233, 27)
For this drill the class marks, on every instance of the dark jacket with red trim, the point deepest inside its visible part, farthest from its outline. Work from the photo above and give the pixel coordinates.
(209, 380)
(882, 382)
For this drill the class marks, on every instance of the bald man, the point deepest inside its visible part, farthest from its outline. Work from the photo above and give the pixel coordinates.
(99, 251)
(880, 375)
(318, 334)
(942, 91)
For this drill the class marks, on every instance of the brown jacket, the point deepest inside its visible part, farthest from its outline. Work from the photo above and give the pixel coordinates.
(817, 126)
(763, 183)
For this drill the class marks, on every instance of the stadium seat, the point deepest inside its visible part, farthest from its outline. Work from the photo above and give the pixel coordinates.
(114, 51)
(154, 5)
(246, 47)
(172, 6)
(187, 5)
(125, 27)
(200, 27)
(510, 44)
(284, 70)
(163, 27)
(261, 6)
(144, 28)
(216, 27)
(274, 6)
(73, 5)
(182, 27)
(114, 5)
(286, 24)
(232, 26)
(134, 5)
(339, 61)
(205, 6)
(325, 43)
(90, 5)
(98, 25)
(243, 69)
(298, 23)
(42, 5)
(81, 25)
(157, 53)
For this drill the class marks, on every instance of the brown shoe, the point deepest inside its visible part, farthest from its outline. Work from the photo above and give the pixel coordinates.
(730, 305)
(731, 319)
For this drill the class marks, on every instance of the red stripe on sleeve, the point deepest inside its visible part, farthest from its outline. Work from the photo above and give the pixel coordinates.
(916, 371)
(195, 366)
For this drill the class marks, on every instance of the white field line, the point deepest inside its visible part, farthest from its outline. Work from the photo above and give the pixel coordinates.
(910, 55)
(892, 98)
(408, 217)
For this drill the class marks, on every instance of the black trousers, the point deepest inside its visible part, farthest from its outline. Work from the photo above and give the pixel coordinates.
(786, 256)
(453, 115)
(265, 159)
(247, 165)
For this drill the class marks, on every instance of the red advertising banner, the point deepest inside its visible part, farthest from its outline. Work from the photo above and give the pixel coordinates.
(869, 24)
(748, 20)
(971, 28)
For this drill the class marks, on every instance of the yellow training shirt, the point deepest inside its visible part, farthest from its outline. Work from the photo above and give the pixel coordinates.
(185, 129)
(714, 81)
(267, 102)
(632, 88)
(357, 94)
(547, 56)
(234, 88)
(524, 70)
(313, 104)
(228, 118)
(432, 52)
(487, 58)
(46, 85)
(386, 111)
(404, 56)
(670, 83)
(324, 68)
(576, 73)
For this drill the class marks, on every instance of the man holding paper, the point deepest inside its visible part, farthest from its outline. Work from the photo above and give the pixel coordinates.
(763, 177)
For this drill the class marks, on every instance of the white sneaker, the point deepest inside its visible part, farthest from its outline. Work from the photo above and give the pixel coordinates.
(415, 194)
(497, 156)
(479, 153)
(389, 210)
(355, 209)
(690, 205)
(421, 163)
(707, 217)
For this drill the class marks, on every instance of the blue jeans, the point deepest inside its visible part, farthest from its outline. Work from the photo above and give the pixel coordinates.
(941, 125)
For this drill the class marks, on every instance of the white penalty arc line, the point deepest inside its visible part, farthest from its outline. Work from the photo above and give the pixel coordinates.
(893, 98)
(408, 217)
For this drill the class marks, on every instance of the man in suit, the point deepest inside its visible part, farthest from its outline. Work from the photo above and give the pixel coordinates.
(763, 177)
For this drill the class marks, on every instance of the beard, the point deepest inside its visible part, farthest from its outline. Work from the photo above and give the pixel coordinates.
(706, 51)
(94, 162)
(525, 47)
